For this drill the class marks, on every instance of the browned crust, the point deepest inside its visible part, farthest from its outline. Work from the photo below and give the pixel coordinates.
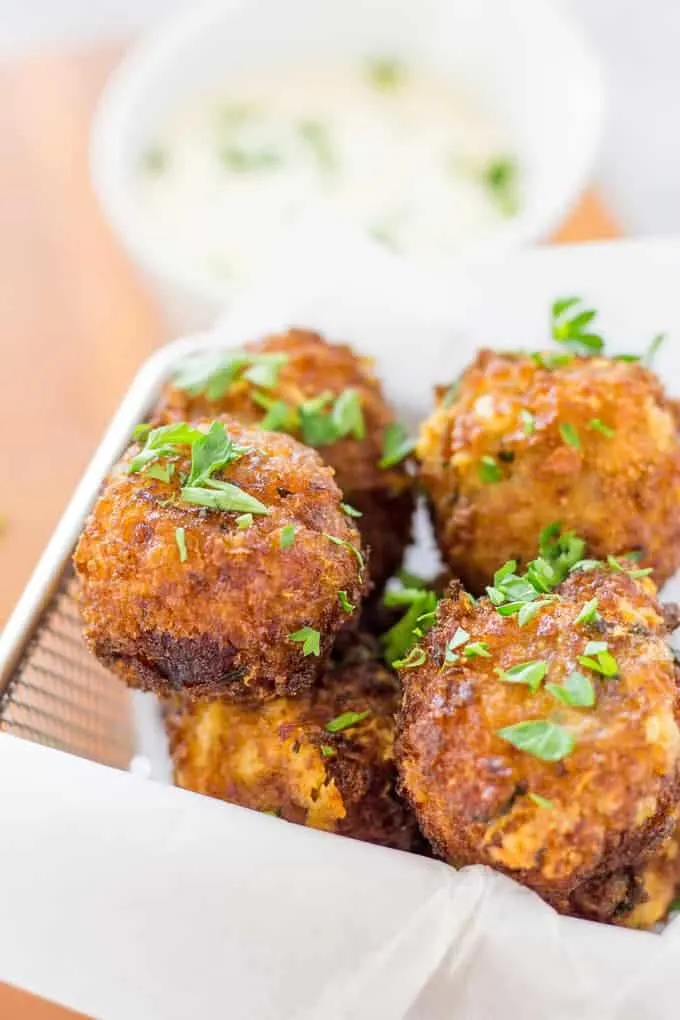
(269, 757)
(383, 495)
(614, 796)
(220, 622)
(619, 492)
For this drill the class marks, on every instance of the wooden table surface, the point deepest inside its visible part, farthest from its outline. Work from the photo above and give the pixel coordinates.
(75, 323)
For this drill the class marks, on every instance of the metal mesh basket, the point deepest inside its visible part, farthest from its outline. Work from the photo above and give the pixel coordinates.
(52, 689)
(59, 695)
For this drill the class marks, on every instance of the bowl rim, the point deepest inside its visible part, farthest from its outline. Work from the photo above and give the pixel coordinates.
(149, 61)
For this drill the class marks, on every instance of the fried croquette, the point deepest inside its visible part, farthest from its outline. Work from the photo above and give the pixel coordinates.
(218, 561)
(539, 731)
(328, 397)
(520, 441)
(323, 759)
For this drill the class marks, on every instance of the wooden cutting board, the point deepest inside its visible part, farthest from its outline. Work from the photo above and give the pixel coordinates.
(75, 323)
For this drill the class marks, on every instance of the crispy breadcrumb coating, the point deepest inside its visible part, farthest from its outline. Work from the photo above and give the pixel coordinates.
(593, 443)
(560, 819)
(219, 615)
(279, 757)
(310, 367)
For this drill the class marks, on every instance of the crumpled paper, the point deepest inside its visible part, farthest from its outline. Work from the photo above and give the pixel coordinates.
(125, 898)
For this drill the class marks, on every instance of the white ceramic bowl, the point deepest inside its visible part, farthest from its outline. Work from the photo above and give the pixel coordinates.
(523, 60)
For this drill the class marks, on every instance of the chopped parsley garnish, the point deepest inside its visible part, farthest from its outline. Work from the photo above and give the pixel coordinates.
(421, 603)
(528, 422)
(327, 751)
(577, 691)
(310, 640)
(223, 496)
(599, 426)
(211, 451)
(347, 415)
(416, 657)
(287, 536)
(161, 472)
(346, 721)
(653, 349)
(344, 601)
(633, 572)
(280, 416)
(596, 656)
(570, 322)
(529, 673)
(348, 545)
(489, 471)
(386, 74)
(549, 361)
(545, 740)
(476, 649)
(396, 445)
(570, 435)
(351, 511)
(589, 613)
(214, 374)
(180, 539)
(244, 521)
(539, 801)
(460, 638)
(500, 178)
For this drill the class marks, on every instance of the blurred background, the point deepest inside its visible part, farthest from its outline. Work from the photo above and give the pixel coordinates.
(75, 320)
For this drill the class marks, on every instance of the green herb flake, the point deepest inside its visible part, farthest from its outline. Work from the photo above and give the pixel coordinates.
(570, 435)
(287, 536)
(457, 641)
(589, 613)
(570, 326)
(223, 496)
(348, 545)
(416, 657)
(577, 691)
(539, 801)
(475, 649)
(489, 471)
(501, 179)
(344, 601)
(528, 422)
(545, 740)
(348, 416)
(386, 74)
(599, 426)
(346, 721)
(529, 673)
(327, 751)
(351, 511)
(310, 640)
(161, 472)
(213, 374)
(596, 656)
(417, 620)
(396, 445)
(180, 539)
(653, 349)
(244, 521)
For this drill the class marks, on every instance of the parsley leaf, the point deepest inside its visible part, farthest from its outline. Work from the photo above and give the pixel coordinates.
(572, 329)
(529, 673)
(543, 739)
(596, 656)
(344, 601)
(310, 640)
(327, 751)
(348, 545)
(396, 445)
(346, 721)
(570, 435)
(351, 511)
(653, 349)
(213, 374)
(400, 638)
(528, 422)
(416, 657)
(287, 536)
(541, 802)
(589, 613)
(599, 426)
(347, 415)
(180, 539)
(223, 496)
(477, 648)
(489, 471)
(500, 177)
(244, 521)
(577, 691)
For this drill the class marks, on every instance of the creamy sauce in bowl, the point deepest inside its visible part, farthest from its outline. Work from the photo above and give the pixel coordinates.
(403, 155)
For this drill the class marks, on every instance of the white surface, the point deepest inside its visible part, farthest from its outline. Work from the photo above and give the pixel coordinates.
(128, 899)
(637, 42)
(522, 60)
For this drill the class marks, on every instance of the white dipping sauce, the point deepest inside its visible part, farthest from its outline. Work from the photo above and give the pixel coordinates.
(401, 154)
